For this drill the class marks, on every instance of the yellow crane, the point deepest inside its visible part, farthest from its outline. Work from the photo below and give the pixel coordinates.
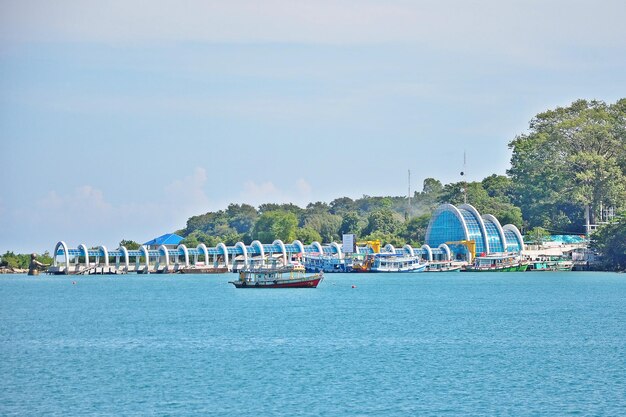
(374, 244)
(469, 244)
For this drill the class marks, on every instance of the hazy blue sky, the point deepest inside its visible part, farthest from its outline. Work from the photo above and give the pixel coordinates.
(120, 119)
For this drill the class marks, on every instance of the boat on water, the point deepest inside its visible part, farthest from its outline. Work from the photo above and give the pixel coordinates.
(550, 264)
(391, 262)
(273, 276)
(443, 266)
(505, 262)
(363, 264)
(324, 263)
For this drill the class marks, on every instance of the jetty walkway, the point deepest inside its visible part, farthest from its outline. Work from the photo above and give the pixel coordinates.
(203, 259)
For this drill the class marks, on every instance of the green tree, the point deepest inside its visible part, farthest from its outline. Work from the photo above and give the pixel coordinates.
(129, 244)
(610, 241)
(571, 158)
(342, 205)
(498, 186)
(351, 224)
(275, 225)
(537, 236)
(386, 238)
(326, 224)
(241, 218)
(306, 235)
(383, 221)
(415, 229)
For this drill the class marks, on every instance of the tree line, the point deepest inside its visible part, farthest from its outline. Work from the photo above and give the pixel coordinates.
(570, 164)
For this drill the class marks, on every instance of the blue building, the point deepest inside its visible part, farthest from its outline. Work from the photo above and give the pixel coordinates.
(450, 225)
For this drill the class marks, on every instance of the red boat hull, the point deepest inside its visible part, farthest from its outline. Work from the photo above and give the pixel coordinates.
(309, 283)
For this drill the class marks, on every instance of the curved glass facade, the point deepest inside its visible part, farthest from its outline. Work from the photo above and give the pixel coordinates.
(447, 228)
(493, 236)
(474, 229)
(450, 224)
(512, 243)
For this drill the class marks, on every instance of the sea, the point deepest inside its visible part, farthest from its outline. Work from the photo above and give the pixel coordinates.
(440, 344)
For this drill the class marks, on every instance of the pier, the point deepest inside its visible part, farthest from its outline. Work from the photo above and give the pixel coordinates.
(82, 260)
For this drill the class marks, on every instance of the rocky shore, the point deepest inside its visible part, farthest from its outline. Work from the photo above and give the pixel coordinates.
(9, 270)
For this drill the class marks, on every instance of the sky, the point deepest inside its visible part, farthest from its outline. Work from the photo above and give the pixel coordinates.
(120, 119)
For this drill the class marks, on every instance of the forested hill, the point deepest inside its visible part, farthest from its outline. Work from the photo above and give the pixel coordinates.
(570, 160)
(387, 218)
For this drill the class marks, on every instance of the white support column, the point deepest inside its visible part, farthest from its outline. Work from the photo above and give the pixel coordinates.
(144, 249)
(66, 255)
(338, 249)
(282, 247)
(163, 249)
(245, 253)
(106, 255)
(205, 251)
(224, 249)
(185, 252)
(261, 250)
(126, 260)
(86, 252)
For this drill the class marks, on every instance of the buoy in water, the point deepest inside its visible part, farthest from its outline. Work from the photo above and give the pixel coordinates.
(73, 282)
(354, 286)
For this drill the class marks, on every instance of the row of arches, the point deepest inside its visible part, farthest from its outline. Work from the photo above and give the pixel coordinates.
(223, 256)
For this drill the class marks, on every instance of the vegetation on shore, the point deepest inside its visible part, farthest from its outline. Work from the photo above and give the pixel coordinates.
(571, 160)
(12, 260)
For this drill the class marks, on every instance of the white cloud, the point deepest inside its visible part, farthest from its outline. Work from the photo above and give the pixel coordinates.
(256, 193)
(303, 187)
(85, 215)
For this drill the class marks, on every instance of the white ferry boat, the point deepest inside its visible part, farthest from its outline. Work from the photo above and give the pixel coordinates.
(391, 262)
(324, 263)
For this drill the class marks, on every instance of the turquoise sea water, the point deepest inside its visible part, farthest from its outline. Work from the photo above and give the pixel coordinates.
(515, 344)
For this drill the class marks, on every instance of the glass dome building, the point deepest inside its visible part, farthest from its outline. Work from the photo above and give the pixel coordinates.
(450, 225)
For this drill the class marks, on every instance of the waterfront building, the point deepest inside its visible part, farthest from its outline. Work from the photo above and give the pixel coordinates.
(468, 233)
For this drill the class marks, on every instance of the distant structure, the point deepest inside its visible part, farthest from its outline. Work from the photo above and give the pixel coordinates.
(454, 233)
(455, 226)
(169, 240)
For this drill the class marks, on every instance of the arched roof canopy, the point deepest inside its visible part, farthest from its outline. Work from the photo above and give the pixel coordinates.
(495, 234)
(447, 224)
(476, 227)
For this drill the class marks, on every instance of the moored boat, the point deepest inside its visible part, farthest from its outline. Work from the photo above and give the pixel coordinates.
(289, 276)
(506, 262)
(324, 263)
(391, 262)
(443, 266)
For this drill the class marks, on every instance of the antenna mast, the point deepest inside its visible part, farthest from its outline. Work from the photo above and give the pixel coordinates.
(462, 174)
(409, 208)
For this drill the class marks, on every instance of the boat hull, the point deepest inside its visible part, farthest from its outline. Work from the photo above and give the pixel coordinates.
(445, 269)
(509, 268)
(285, 283)
(420, 268)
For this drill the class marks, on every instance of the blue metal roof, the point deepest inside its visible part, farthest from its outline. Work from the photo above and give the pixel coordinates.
(167, 239)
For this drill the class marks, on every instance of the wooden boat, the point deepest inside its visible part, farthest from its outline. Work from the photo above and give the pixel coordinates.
(497, 263)
(290, 276)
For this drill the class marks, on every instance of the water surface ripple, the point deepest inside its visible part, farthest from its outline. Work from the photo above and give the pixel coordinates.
(516, 344)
